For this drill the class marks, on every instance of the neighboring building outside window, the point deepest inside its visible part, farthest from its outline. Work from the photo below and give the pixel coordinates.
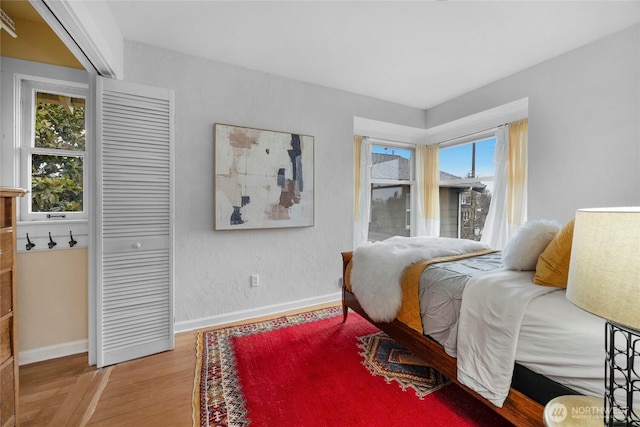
(53, 166)
(392, 183)
(466, 181)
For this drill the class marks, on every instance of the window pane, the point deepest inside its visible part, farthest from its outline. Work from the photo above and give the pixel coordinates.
(389, 211)
(391, 163)
(56, 183)
(456, 160)
(459, 161)
(59, 122)
(484, 157)
(464, 205)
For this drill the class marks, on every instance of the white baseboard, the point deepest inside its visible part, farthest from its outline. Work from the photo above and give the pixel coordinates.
(52, 352)
(221, 319)
(81, 346)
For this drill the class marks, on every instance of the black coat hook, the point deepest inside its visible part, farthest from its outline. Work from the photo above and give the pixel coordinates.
(51, 243)
(29, 245)
(72, 242)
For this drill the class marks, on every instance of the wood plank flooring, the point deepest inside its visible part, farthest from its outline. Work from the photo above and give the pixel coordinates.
(152, 391)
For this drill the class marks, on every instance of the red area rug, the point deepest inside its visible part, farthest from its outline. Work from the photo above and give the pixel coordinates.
(311, 369)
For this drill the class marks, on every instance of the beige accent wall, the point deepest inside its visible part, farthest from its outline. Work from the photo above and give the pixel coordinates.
(52, 297)
(36, 42)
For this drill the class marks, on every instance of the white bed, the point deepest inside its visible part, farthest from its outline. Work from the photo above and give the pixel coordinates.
(555, 339)
(494, 317)
(564, 343)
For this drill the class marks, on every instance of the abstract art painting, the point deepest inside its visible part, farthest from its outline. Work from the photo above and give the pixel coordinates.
(263, 178)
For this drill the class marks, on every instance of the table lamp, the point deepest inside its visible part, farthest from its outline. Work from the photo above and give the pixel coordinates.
(604, 279)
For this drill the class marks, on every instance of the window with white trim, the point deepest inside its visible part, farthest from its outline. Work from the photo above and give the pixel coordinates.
(392, 183)
(466, 182)
(53, 164)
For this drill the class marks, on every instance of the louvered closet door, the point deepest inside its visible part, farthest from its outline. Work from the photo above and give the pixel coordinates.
(134, 292)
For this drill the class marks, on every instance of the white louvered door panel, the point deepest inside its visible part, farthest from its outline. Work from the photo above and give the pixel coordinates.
(134, 292)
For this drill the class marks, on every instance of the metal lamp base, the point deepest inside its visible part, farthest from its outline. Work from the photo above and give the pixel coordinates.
(622, 381)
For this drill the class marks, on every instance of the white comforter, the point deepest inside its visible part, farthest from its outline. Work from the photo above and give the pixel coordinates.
(493, 306)
(377, 269)
(491, 314)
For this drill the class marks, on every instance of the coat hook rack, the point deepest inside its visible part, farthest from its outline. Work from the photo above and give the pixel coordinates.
(29, 244)
(72, 242)
(51, 243)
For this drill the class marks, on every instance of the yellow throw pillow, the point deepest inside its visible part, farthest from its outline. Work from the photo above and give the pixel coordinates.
(552, 268)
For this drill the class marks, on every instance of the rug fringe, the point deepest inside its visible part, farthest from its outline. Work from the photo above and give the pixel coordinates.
(195, 402)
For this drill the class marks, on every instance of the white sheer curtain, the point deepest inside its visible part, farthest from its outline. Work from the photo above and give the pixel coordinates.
(427, 217)
(508, 210)
(495, 225)
(362, 199)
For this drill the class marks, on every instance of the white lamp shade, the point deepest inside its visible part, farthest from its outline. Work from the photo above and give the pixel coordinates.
(604, 272)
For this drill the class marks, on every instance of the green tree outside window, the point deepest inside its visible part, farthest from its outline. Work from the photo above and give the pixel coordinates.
(57, 180)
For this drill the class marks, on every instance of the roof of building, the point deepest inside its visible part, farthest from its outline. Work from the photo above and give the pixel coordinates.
(392, 166)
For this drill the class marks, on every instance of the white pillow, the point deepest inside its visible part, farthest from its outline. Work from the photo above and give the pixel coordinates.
(527, 243)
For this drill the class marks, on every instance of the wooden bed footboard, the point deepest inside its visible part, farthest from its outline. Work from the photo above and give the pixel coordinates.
(518, 408)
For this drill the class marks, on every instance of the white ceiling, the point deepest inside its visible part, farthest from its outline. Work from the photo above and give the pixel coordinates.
(416, 53)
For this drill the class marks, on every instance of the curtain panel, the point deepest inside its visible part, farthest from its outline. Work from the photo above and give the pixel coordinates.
(508, 210)
(362, 190)
(427, 217)
(517, 176)
(495, 230)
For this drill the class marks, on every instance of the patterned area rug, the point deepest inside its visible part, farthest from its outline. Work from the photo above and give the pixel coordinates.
(386, 358)
(311, 369)
(218, 399)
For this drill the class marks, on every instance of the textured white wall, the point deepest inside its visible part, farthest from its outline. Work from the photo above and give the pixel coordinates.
(584, 125)
(213, 267)
(584, 151)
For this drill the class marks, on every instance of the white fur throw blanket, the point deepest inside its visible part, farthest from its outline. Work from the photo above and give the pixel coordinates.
(376, 269)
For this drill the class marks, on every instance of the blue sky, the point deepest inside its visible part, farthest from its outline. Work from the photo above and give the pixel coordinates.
(457, 160)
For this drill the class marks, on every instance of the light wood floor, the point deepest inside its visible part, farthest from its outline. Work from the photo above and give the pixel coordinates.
(152, 391)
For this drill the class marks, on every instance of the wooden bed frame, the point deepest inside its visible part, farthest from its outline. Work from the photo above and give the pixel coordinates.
(518, 408)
